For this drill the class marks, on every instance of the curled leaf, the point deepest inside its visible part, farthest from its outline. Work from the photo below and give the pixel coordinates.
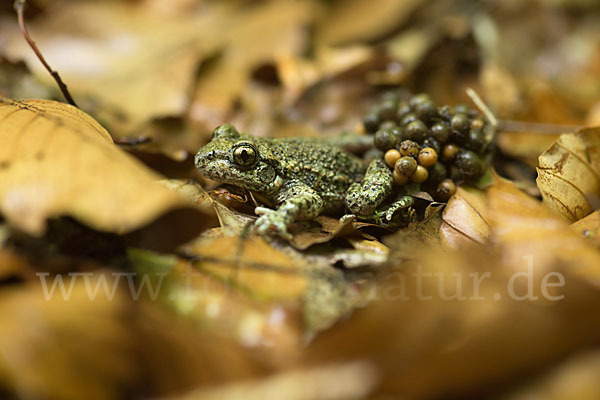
(329, 229)
(56, 160)
(569, 173)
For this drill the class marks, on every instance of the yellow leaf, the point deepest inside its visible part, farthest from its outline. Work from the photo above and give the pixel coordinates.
(66, 348)
(254, 265)
(56, 160)
(589, 227)
(464, 220)
(569, 173)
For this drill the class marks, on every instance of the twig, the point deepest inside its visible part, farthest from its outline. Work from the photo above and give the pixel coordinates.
(519, 126)
(482, 107)
(535, 127)
(19, 6)
(132, 141)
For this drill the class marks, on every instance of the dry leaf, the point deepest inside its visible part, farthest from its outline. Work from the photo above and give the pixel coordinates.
(500, 89)
(298, 74)
(233, 223)
(329, 229)
(428, 342)
(56, 160)
(258, 34)
(448, 324)
(522, 227)
(182, 353)
(357, 20)
(265, 272)
(207, 292)
(342, 381)
(411, 46)
(589, 227)
(424, 234)
(65, 349)
(373, 246)
(464, 221)
(569, 174)
(135, 64)
(526, 146)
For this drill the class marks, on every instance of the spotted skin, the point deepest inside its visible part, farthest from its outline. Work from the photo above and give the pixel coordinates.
(303, 177)
(363, 198)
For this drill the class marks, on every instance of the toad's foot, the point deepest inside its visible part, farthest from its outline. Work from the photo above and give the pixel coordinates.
(399, 211)
(271, 222)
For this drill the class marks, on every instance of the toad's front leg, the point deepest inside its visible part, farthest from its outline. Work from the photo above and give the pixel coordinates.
(298, 201)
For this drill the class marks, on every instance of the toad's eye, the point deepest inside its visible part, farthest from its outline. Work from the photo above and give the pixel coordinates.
(245, 155)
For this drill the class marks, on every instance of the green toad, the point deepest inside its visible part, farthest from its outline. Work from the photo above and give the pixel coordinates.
(303, 177)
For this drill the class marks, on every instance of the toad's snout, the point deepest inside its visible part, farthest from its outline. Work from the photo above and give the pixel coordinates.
(212, 163)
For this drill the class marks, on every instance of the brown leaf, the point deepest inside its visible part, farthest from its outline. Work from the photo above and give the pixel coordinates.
(56, 160)
(329, 229)
(569, 174)
(438, 331)
(464, 221)
(424, 234)
(523, 227)
(425, 345)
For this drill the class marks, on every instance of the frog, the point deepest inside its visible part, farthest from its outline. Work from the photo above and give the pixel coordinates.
(302, 177)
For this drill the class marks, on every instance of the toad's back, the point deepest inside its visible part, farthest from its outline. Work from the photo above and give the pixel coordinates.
(325, 168)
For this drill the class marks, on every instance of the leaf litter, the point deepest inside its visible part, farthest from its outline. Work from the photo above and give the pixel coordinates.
(333, 313)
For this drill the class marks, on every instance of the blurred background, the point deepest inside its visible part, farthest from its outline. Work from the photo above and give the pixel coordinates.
(168, 72)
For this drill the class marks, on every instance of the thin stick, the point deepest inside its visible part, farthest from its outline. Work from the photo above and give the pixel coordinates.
(19, 6)
(535, 127)
(482, 107)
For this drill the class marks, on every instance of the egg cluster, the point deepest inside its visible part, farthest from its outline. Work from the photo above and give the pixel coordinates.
(437, 147)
